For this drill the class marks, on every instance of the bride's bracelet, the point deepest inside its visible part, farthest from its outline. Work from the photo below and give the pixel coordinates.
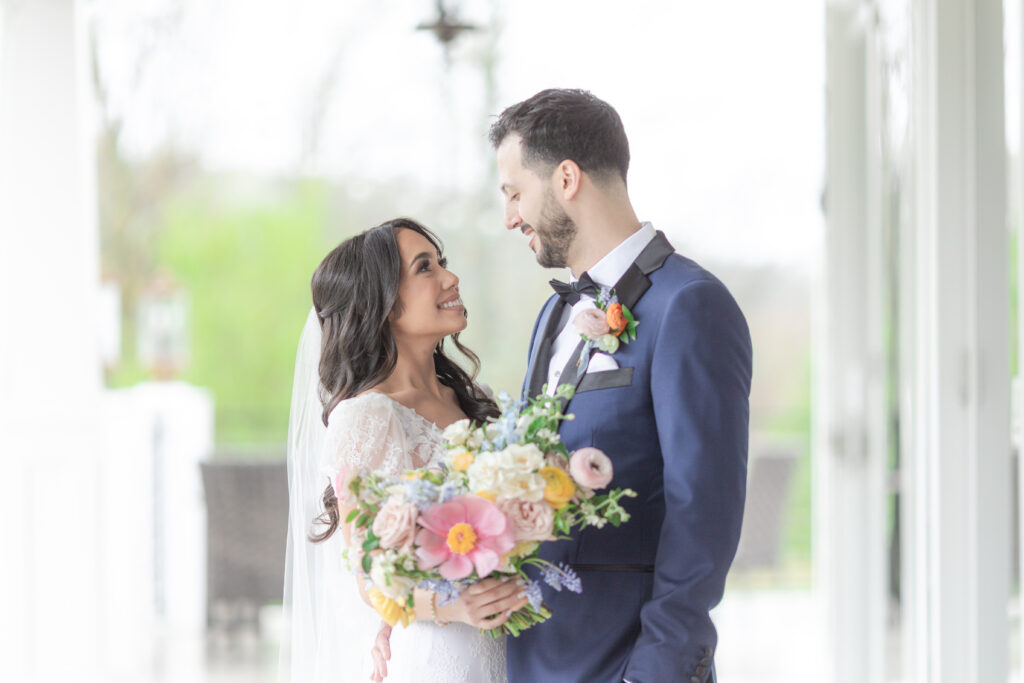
(433, 610)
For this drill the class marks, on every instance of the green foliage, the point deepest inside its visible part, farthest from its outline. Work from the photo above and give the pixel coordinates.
(248, 271)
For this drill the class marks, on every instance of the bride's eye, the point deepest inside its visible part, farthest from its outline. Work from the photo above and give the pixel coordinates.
(443, 262)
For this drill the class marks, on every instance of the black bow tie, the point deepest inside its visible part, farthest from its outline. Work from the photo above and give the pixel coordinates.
(571, 292)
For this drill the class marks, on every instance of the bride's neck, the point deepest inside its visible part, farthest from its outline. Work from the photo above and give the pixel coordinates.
(414, 371)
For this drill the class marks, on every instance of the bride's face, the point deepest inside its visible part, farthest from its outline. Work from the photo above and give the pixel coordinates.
(428, 293)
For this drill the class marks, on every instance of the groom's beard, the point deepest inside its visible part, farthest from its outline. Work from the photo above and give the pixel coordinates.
(555, 234)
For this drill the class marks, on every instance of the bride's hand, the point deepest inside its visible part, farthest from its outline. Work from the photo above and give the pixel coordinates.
(381, 653)
(486, 604)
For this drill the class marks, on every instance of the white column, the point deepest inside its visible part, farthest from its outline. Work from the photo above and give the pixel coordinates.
(49, 371)
(850, 425)
(956, 506)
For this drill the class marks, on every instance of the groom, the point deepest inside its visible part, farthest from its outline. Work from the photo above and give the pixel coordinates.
(670, 407)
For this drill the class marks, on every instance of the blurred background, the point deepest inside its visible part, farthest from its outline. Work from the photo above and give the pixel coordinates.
(172, 171)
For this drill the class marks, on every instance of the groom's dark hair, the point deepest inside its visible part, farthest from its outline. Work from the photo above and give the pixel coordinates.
(560, 124)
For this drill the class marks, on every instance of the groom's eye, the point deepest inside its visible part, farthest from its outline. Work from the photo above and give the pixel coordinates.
(443, 262)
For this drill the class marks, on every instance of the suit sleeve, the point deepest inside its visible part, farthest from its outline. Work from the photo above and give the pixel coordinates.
(700, 385)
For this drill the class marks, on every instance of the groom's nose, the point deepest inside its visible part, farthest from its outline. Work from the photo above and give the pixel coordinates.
(512, 217)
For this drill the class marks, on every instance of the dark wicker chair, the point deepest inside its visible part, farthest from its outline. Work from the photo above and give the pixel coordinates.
(769, 482)
(247, 523)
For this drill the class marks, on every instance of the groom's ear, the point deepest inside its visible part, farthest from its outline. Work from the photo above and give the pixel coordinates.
(568, 178)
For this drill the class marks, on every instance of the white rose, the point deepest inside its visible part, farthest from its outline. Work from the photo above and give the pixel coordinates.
(400, 587)
(528, 487)
(524, 457)
(475, 439)
(457, 432)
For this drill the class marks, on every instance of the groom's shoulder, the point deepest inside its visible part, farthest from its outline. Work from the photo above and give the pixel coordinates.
(680, 273)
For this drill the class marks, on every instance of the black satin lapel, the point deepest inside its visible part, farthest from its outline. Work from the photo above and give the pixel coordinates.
(574, 370)
(542, 359)
(654, 254)
(631, 286)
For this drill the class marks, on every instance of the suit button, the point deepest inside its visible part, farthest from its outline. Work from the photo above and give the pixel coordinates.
(706, 661)
(707, 651)
(694, 679)
(701, 670)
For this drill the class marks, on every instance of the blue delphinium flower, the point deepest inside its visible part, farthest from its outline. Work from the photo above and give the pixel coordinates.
(448, 491)
(505, 424)
(533, 594)
(447, 591)
(421, 493)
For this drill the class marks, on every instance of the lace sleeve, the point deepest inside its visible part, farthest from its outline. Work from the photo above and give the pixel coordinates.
(364, 433)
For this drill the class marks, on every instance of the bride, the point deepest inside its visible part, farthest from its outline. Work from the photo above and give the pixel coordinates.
(374, 389)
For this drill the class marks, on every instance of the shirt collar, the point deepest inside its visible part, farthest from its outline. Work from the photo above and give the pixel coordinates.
(616, 262)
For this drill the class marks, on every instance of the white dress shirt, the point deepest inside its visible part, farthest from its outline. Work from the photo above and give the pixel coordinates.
(605, 273)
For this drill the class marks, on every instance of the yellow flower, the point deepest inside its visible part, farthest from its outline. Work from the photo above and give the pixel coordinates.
(488, 495)
(462, 461)
(461, 538)
(559, 487)
(390, 610)
(523, 549)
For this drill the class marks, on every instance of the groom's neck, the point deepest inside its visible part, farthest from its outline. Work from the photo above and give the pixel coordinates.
(602, 225)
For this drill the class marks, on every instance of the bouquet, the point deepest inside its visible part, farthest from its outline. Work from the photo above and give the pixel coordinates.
(504, 487)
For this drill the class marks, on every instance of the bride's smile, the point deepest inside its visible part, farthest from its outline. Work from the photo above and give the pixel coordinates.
(429, 304)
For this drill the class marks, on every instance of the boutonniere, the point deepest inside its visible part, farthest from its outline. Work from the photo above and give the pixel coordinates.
(608, 324)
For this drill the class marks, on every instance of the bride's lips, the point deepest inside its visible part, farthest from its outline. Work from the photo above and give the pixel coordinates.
(451, 303)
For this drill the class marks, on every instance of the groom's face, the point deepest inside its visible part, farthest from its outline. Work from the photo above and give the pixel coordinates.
(532, 207)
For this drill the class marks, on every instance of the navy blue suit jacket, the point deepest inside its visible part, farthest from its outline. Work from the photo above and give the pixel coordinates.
(674, 420)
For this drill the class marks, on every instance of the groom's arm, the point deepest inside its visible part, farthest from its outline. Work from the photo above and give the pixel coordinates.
(700, 385)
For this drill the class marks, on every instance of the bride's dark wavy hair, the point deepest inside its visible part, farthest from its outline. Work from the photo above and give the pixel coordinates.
(355, 290)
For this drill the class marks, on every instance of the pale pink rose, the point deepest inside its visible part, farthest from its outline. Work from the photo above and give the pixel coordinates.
(530, 521)
(591, 468)
(591, 323)
(395, 524)
(341, 489)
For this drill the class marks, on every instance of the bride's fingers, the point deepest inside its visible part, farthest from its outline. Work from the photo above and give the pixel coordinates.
(499, 593)
(383, 643)
(481, 587)
(495, 621)
(380, 667)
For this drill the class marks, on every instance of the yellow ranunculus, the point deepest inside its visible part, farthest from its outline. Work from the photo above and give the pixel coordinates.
(390, 610)
(487, 495)
(462, 461)
(523, 549)
(559, 487)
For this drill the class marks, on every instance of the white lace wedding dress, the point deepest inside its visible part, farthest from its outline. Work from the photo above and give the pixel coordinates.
(375, 432)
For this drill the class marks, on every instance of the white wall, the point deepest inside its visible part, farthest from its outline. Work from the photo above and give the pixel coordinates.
(49, 374)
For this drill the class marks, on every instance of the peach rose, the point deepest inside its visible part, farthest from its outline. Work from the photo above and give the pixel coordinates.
(530, 521)
(591, 468)
(591, 323)
(616, 319)
(395, 524)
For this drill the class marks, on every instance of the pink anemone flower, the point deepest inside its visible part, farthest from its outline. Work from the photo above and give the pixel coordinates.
(463, 533)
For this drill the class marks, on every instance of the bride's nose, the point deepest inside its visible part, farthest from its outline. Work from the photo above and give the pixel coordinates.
(451, 279)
